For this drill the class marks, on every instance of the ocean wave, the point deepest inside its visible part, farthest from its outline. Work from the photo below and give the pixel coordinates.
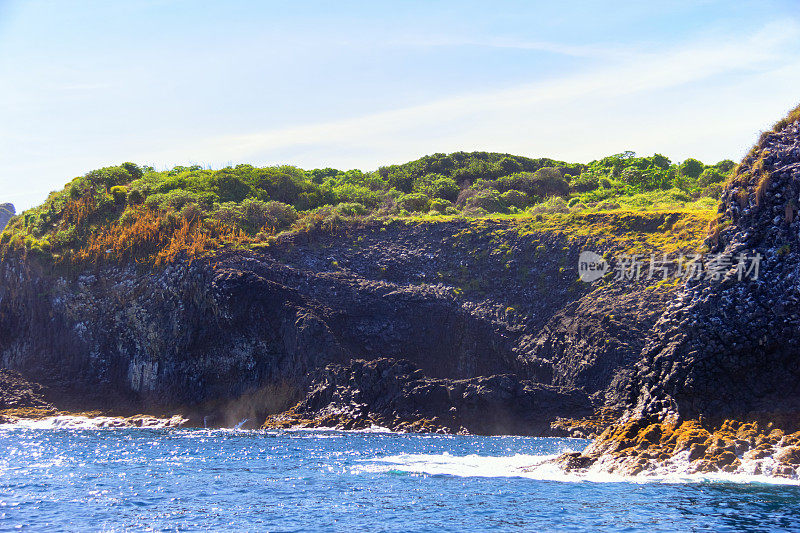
(545, 468)
(95, 422)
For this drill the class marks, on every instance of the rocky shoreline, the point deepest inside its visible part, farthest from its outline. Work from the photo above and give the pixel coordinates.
(396, 395)
(457, 326)
(23, 401)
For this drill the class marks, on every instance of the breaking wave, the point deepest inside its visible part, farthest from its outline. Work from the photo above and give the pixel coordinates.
(95, 422)
(544, 468)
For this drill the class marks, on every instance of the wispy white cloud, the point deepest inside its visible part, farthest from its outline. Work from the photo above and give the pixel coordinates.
(592, 51)
(80, 87)
(493, 116)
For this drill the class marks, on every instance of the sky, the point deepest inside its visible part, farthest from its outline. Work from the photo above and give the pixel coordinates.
(361, 84)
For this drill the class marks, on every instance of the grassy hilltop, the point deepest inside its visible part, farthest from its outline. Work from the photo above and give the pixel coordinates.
(138, 213)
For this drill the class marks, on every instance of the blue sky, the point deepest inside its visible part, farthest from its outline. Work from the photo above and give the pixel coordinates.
(360, 84)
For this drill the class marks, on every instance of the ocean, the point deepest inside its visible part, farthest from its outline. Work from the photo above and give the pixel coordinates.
(67, 475)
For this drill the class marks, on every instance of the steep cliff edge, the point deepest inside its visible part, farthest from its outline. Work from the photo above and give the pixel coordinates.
(239, 333)
(718, 383)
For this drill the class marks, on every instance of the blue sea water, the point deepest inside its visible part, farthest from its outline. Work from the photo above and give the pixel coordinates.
(196, 480)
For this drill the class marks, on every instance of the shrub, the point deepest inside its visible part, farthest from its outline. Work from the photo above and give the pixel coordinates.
(586, 182)
(230, 188)
(712, 191)
(607, 206)
(440, 205)
(514, 198)
(120, 193)
(192, 211)
(65, 238)
(551, 205)
(105, 205)
(725, 166)
(510, 165)
(550, 182)
(414, 202)
(350, 193)
(227, 213)
(133, 170)
(400, 180)
(691, 168)
(544, 182)
(255, 215)
(487, 200)
(351, 209)
(445, 188)
(711, 175)
(173, 200)
(465, 195)
(135, 197)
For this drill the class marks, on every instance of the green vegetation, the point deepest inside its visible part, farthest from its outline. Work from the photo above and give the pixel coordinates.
(152, 216)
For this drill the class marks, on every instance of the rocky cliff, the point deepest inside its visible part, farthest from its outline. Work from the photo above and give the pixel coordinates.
(726, 347)
(718, 384)
(492, 307)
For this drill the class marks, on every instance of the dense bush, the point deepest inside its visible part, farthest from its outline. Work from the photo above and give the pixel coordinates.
(487, 200)
(691, 168)
(445, 188)
(441, 205)
(243, 202)
(514, 198)
(414, 202)
(120, 193)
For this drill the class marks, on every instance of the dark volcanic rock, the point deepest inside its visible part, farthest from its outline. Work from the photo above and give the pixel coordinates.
(729, 347)
(18, 393)
(396, 394)
(237, 335)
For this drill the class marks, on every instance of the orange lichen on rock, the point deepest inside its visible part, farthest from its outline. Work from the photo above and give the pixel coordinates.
(642, 446)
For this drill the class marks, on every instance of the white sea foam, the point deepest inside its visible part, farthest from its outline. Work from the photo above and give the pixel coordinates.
(543, 468)
(96, 422)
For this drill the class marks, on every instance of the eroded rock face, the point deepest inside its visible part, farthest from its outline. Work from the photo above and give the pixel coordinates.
(397, 395)
(728, 348)
(239, 334)
(717, 388)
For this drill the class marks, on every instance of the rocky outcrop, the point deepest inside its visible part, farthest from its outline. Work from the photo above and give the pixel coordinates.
(6, 212)
(717, 387)
(18, 393)
(21, 398)
(397, 395)
(727, 347)
(647, 447)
